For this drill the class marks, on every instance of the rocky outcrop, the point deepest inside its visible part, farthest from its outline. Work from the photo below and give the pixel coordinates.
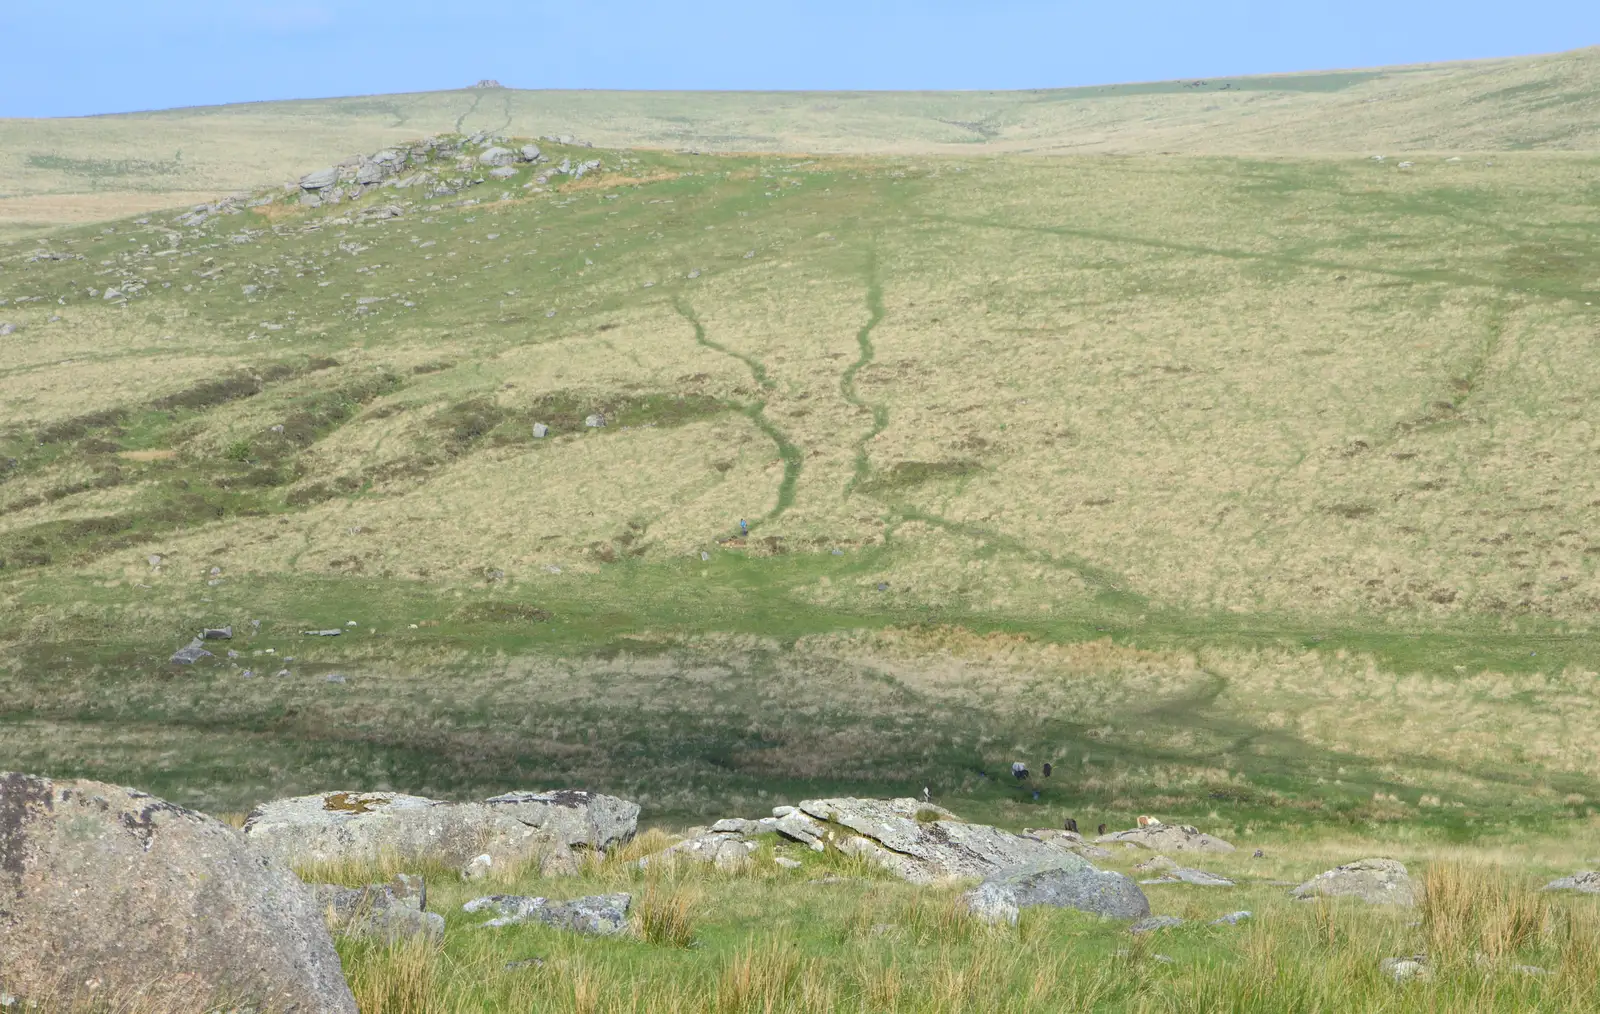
(924, 843)
(597, 915)
(727, 850)
(1101, 892)
(122, 894)
(1069, 840)
(1166, 838)
(556, 828)
(1374, 881)
(1584, 881)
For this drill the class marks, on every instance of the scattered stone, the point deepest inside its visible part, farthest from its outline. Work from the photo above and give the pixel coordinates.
(1154, 923)
(924, 843)
(478, 867)
(504, 172)
(335, 632)
(190, 653)
(1167, 837)
(1231, 919)
(737, 825)
(1533, 970)
(218, 633)
(557, 827)
(1081, 887)
(595, 421)
(155, 559)
(7, 329)
(596, 915)
(387, 912)
(787, 863)
(1374, 881)
(1406, 969)
(334, 677)
(320, 180)
(112, 885)
(530, 153)
(496, 156)
(517, 966)
(1199, 878)
(281, 673)
(249, 290)
(1584, 881)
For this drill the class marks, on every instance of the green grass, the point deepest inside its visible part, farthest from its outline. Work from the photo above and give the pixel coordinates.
(773, 940)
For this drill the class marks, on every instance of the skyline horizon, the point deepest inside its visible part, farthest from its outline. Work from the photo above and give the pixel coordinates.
(184, 54)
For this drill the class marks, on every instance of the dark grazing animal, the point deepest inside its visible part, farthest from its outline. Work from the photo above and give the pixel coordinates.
(1071, 825)
(1102, 829)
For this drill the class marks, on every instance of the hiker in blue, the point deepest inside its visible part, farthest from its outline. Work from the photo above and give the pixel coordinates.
(744, 527)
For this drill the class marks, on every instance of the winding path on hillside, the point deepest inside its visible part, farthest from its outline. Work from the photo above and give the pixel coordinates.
(793, 460)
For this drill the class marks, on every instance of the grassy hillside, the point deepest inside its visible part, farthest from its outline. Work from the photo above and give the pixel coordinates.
(1256, 491)
(77, 170)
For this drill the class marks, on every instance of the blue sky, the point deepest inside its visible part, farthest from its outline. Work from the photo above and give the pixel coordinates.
(93, 56)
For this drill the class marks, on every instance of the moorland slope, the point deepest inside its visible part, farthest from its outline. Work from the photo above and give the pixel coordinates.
(91, 168)
(1198, 476)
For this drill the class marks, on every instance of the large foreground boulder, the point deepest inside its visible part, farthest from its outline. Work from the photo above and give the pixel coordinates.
(110, 893)
(1374, 881)
(554, 828)
(1101, 892)
(924, 843)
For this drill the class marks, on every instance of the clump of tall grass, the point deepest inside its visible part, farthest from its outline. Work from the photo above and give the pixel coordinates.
(665, 916)
(1473, 913)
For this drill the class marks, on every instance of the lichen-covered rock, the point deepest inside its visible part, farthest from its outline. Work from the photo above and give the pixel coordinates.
(1167, 838)
(114, 891)
(723, 850)
(1081, 887)
(1374, 881)
(596, 915)
(555, 827)
(388, 912)
(924, 843)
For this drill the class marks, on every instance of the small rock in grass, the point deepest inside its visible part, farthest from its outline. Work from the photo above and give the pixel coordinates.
(191, 653)
(283, 672)
(478, 868)
(1154, 923)
(540, 431)
(596, 915)
(218, 633)
(595, 421)
(1231, 919)
(787, 863)
(322, 633)
(1199, 878)
(334, 677)
(517, 966)
(1406, 969)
